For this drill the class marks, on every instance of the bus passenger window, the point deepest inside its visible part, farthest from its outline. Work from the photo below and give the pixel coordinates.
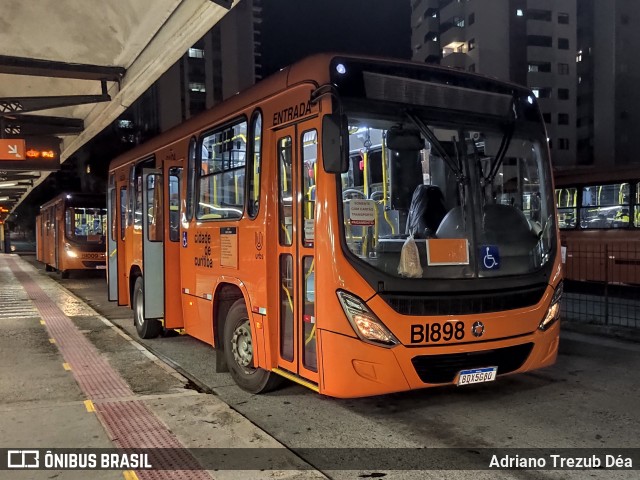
(191, 176)
(123, 211)
(637, 207)
(112, 209)
(605, 206)
(285, 191)
(222, 173)
(154, 211)
(566, 203)
(175, 174)
(309, 156)
(254, 166)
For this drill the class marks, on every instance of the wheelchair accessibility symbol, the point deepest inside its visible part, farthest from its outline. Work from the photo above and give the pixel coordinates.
(490, 257)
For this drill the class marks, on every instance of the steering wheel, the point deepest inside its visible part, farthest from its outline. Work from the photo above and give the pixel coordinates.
(353, 191)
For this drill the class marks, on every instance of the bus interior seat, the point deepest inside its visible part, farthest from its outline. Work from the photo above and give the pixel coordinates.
(504, 224)
(452, 225)
(426, 212)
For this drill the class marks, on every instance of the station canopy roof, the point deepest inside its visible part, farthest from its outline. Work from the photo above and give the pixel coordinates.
(69, 68)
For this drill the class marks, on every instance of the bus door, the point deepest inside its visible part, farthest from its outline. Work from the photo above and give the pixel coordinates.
(112, 238)
(121, 212)
(152, 244)
(172, 174)
(56, 236)
(296, 152)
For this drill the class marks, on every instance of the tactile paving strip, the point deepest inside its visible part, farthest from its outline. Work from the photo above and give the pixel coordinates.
(129, 423)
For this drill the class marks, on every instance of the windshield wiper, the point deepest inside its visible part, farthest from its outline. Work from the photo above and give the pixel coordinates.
(435, 143)
(502, 151)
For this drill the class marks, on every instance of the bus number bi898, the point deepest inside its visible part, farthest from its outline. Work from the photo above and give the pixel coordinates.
(434, 332)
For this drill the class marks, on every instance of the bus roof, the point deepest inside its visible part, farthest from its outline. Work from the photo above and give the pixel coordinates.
(594, 176)
(313, 69)
(78, 199)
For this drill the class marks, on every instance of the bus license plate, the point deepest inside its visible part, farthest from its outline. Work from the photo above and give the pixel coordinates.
(477, 375)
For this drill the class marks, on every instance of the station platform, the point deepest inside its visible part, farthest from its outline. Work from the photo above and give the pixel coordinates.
(71, 379)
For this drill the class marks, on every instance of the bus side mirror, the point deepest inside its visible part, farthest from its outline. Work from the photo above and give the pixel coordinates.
(334, 154)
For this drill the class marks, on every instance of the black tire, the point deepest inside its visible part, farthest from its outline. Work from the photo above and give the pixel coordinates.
(149, 328)
(238, 351)
(64, 273)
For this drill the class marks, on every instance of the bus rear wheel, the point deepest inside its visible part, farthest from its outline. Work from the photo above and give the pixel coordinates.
(146, 328)
(238, 351)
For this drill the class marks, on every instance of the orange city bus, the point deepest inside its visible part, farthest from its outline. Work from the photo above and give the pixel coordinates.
(70, 233)
(599, 219)
(357, 225)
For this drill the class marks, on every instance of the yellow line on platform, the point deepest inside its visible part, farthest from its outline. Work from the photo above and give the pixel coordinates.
(88, 404)
(66, 366)
(42, 322)
(130, 475)
(52, 340)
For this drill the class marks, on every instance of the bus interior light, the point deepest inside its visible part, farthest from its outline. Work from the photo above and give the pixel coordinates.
(364, 322)
(553, 314)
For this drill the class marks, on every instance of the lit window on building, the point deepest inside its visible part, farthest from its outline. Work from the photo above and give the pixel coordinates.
(197, 87)
(196, 53)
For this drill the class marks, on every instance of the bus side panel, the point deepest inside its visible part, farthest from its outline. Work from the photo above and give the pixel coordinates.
(39, 239)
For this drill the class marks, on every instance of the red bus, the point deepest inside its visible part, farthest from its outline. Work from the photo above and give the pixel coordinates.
(70, 233)
(359, 226)
(599, 217)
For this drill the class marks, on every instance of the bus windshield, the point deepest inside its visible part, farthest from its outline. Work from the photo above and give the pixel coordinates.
(85, 224)
(476, 201)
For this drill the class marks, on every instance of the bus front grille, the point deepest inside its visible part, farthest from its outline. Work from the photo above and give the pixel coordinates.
(464, 303)
(444, 368)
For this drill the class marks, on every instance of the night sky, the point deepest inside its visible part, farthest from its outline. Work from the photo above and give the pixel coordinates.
(294, 29)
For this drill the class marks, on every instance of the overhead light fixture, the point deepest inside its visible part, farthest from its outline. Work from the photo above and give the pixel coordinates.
(4, 199)
(8, 184)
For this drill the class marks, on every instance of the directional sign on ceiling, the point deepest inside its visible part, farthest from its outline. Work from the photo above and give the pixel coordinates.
(31, 153)
(13, 149)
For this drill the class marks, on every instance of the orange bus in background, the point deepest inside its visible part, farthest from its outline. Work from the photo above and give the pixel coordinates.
(70, 233)
(359, 226)
(599, 217)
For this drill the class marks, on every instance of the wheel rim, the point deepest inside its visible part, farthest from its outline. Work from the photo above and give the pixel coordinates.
(242, 346)
(139, 309)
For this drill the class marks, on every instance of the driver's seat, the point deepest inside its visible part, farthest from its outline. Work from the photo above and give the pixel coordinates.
(426, 211)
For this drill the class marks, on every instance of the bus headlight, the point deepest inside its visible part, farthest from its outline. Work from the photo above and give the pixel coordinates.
(553, 314)
(363, 321)
(70, 252)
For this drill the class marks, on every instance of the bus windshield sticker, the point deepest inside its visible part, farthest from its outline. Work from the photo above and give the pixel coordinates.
(447, 251)
(490, 255)
(362, 212)
(229, 247)
(184, 240)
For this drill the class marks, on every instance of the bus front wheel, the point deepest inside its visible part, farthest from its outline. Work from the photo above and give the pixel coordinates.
(238, 350)
(146, 328)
